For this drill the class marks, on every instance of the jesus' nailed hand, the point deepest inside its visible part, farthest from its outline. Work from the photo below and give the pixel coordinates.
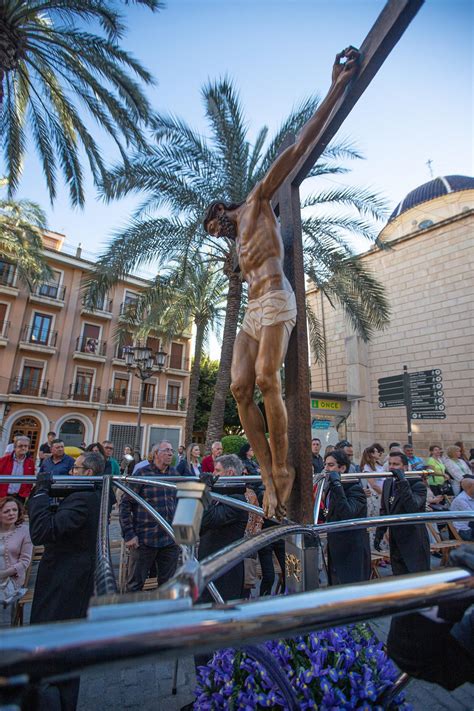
(261, 345)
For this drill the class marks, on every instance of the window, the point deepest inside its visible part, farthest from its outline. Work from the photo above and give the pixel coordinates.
(176, 357)
(31, 380)
(51, 288)
(170, 434)
(83, 385)
(172, 397)
(7, 273)
(153, 343)
(90, 338)
(41, 329)
(149, 394)
(127, 341)
(3, 319)
(122, 436)
(120, 390)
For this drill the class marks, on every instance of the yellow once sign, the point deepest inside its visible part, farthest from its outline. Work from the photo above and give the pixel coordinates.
(325, 405)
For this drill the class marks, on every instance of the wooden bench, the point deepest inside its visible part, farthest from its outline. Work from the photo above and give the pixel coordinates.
(17, 617)
(376, 559)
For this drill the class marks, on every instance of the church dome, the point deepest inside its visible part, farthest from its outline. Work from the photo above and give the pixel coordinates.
(437, 187)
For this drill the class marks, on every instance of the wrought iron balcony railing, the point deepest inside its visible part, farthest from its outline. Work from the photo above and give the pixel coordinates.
(90, 345)
(50, 290)
(39, 336)
(7, 274)
(83, 393)
(26, 386)
(4, 326)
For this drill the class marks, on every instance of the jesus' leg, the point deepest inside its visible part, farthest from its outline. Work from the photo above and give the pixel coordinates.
(243, 386)
(271, 353)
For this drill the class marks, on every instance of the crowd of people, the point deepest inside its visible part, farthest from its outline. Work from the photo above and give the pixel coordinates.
(67, 526)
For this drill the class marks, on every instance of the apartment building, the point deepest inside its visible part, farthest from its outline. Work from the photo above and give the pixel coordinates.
(427, 277)
(61, 368)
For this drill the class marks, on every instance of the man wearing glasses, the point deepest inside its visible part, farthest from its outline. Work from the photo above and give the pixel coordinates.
(145, 540)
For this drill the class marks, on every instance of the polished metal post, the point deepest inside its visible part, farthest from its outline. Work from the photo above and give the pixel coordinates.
(105, 583)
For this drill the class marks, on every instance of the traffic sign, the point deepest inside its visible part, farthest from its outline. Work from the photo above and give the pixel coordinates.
(394, 403)
(428, 415)
(391, 379)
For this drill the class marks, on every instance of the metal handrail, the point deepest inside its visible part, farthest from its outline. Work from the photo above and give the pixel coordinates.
(105, 582)
(63, 647)
(219, 563)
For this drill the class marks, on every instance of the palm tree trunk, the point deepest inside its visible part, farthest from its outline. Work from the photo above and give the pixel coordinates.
(215, 425)
(194, 383)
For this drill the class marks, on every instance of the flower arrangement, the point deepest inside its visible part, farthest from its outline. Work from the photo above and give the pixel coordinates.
(340, 668)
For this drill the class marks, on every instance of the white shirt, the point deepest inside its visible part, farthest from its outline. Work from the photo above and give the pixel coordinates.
(462, 502)
(140, 465)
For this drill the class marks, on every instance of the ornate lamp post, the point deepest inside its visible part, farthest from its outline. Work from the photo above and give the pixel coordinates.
(143, 362)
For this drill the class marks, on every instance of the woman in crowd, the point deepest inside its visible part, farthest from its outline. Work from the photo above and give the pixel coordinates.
(96, 447)
(348, 551)
(246, 456)
(371, 463)
(190, 465)
(456, 467)
(461, 446)
(328, 450)
(439, 476)
(16, 550)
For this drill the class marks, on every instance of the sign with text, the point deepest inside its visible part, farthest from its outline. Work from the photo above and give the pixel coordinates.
(421, 393)
(325, 404)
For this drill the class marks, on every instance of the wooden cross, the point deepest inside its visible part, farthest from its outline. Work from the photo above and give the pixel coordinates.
(385, 33)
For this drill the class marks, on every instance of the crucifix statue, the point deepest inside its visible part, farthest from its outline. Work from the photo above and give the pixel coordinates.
(273, 310)
(261, 345)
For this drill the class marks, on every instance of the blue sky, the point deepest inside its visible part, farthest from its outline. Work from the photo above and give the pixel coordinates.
(418, 107)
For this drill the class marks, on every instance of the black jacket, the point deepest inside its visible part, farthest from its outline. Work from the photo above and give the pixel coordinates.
(411, 542)
(65, 580)
(318, 463)
(184, 468)
(221, 525)
(348, 551)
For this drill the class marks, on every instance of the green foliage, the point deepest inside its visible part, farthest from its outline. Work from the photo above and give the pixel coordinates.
(207, 385)
(22, 225)
(52, 70)
(231, 444)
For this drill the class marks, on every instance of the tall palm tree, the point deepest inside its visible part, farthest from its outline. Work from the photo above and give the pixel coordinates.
(49, 67)
(22, 225)
(183, 173)
(193, 292)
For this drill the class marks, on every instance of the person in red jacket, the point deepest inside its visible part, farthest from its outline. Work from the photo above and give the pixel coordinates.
(208, 462)
(17, 463)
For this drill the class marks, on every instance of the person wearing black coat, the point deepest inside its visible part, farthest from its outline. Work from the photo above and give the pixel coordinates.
(223, 524)
(348, 551)
(189, 465)
(65, 580)
(409, 545)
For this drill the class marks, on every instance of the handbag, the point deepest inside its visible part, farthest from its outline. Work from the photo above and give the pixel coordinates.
(446, 489)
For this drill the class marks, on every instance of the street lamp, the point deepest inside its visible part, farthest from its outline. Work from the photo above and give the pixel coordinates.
(143, 362)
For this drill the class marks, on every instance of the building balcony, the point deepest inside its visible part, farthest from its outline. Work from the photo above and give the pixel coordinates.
(4, 327)
(8, 279)
(103, 311)
(22, 386)
(83, 394)
(37, 339)
(48, 293)
(88, 348)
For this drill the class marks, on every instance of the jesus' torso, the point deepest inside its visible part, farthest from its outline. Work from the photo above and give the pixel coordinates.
(258, 226)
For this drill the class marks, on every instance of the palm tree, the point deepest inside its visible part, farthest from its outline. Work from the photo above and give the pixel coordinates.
(193, 292)
(22, 225)
(184, 173)
(49, 65)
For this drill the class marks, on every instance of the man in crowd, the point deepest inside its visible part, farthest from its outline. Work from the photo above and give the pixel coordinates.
(414, 461)
(181, 452)
(348, 450)
(208, 462)
(17, 463)
(45, 449)
(59, 463)
(223, 524)
(464, 501)
(318, 464)
(409, 545)
(65, 580)
(144, 538)
(112, 467)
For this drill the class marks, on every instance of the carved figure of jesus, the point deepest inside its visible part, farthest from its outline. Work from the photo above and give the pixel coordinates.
(261, 345)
